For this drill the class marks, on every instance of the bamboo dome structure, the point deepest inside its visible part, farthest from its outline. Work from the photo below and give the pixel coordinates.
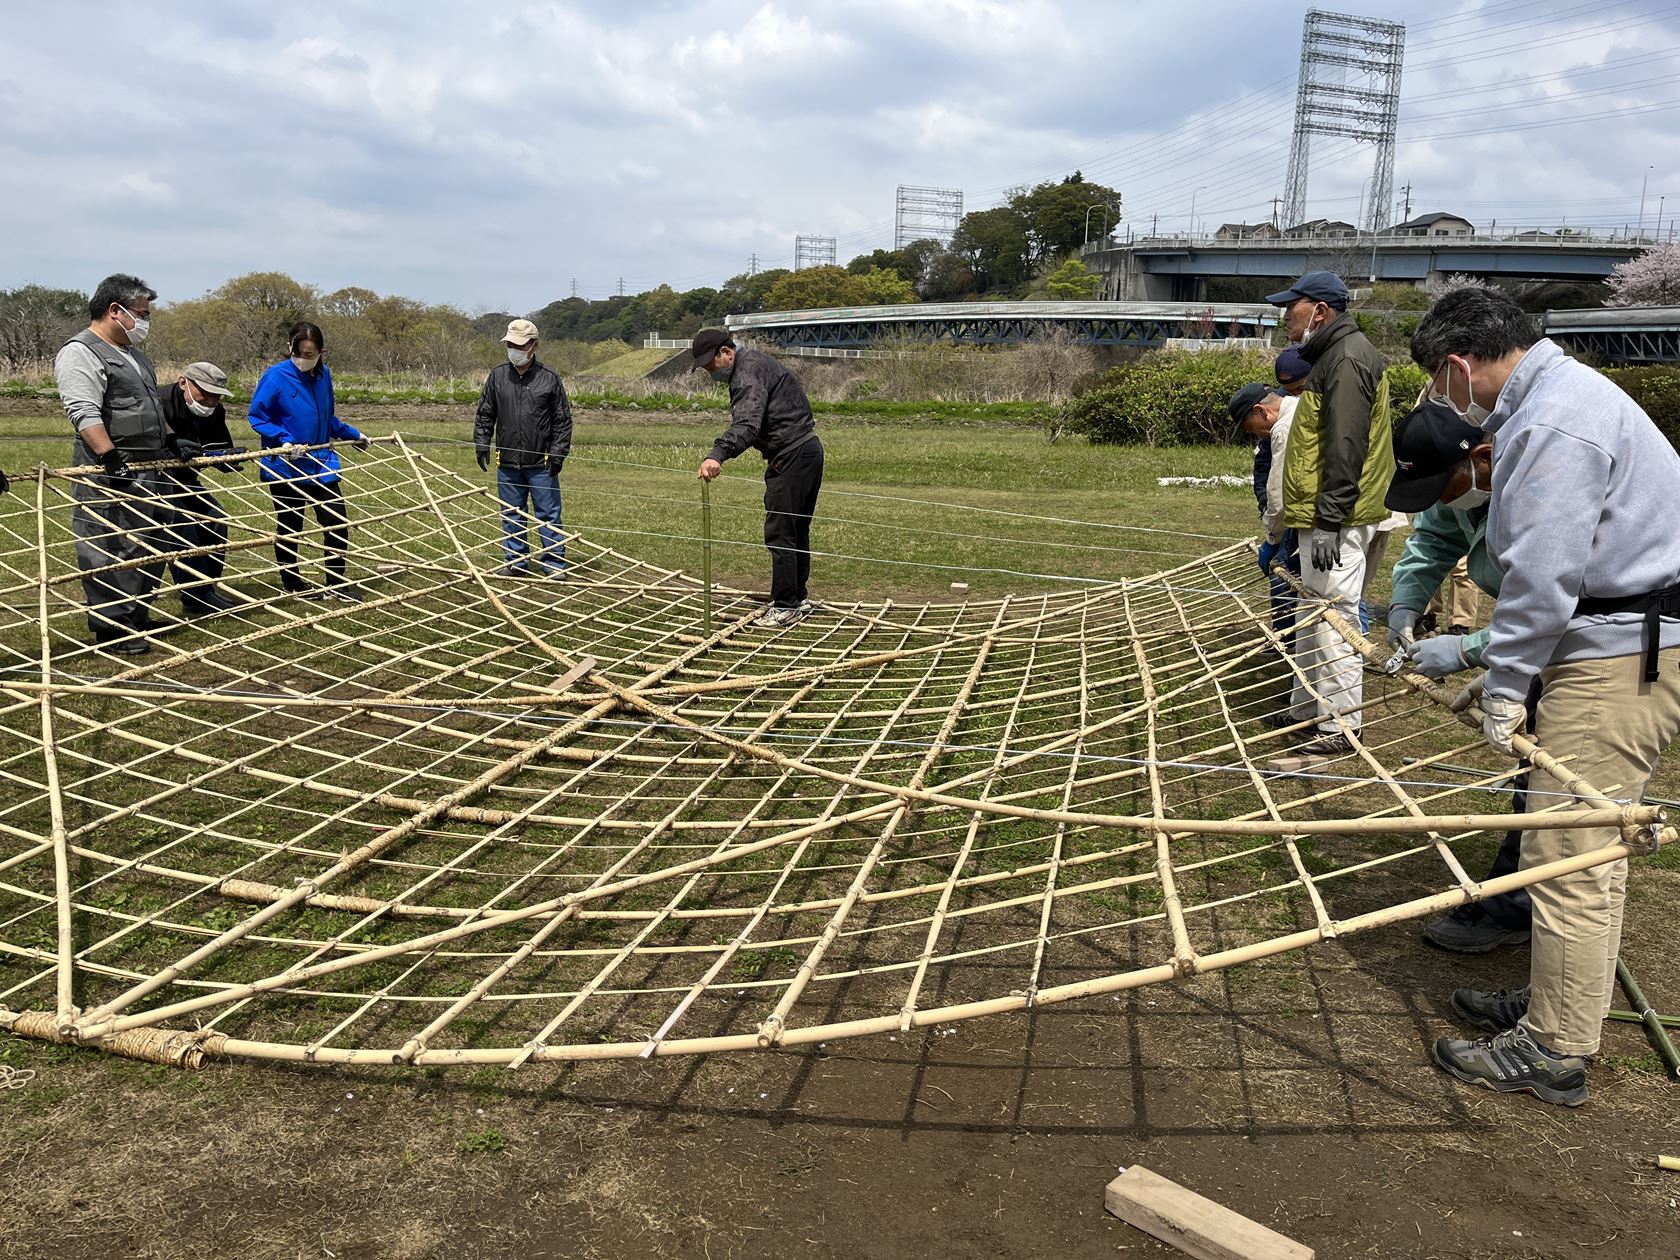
(481, 820)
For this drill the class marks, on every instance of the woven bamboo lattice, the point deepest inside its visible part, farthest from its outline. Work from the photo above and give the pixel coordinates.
(482, 820)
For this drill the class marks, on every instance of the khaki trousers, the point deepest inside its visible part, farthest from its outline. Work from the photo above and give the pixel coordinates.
(1464, 608)
(1609, 726)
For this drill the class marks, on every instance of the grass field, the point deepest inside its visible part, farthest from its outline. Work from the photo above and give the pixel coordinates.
(1293, 1089)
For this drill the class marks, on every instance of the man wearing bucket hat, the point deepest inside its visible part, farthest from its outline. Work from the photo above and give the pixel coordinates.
(768, 411)
(525, 416)
(1336, 471)
(193, 408)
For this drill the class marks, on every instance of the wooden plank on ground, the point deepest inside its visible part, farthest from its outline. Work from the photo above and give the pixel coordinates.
(1196, 1226)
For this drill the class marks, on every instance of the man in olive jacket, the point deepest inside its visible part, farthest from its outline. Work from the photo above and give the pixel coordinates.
(524, 412)
(1335, 477)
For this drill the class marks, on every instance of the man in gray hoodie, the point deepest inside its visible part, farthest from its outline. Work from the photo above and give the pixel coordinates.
(1580, 524)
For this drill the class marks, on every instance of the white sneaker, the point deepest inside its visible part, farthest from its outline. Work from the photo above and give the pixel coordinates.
(809, 606)
(776, 617)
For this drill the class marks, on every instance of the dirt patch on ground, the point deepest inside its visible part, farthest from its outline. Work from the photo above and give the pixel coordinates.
(1296, 1092)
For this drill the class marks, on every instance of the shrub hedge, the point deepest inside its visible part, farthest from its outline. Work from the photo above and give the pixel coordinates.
(1177, 398)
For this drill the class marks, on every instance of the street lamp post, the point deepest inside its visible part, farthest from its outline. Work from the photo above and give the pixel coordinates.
(1197, 189)
(1643, 181)
(1103, 205)
(1660, 200)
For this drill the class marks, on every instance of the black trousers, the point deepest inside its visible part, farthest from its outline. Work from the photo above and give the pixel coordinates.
(791, 482)
(201, 523)
(1514, 911)
(290, 500)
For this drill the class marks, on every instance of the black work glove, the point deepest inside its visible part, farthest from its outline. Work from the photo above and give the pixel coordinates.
(360, 443)
(118, 475)
(183, 448)
(484, 459)
(1326, 546)
(556, 463)
(5, 481)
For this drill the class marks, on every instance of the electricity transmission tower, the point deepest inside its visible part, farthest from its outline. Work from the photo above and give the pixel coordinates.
(1349, 86)
(926, 214)
(813, 251)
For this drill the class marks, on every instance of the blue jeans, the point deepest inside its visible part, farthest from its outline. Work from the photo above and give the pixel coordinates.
(1284, 598)
(516, 487)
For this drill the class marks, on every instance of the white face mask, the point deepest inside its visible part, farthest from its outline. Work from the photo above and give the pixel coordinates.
(1473, 413)
(519, 358)
(141, 330)
(305, 362)
(199, 409)
(1474, 497)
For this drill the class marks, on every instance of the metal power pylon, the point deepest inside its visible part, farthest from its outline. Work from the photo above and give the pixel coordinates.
(813, 251)
(926, 214)
(1349, 86)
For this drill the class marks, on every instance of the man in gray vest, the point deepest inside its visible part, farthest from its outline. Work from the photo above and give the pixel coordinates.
(123, 518)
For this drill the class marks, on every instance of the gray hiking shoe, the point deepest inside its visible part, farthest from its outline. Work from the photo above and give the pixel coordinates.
(777, 617)
(1494, 1011)
(1315, 752)
(1513, 1062)
(1470, 930)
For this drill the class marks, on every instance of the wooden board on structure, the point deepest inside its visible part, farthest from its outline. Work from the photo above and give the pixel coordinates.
(1196, 1226)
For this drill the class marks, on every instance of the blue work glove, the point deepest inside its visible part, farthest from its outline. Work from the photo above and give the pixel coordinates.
(1402, 626)
(1326, 549)
(1268, 553)
(227, 470)
(1437, 657)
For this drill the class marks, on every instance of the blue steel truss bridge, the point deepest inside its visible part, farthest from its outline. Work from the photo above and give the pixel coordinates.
(1140, 324)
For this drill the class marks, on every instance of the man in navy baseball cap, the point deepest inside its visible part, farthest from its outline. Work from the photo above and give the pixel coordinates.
(1292, 370)
(1315, 286)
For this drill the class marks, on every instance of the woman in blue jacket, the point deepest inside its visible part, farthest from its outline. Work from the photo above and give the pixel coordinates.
(293, 405)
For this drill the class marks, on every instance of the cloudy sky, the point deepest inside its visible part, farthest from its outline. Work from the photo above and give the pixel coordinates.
(492, 154)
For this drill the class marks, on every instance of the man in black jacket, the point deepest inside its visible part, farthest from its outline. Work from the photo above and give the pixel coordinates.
(769, 411)
(192, 407)
(525, 413)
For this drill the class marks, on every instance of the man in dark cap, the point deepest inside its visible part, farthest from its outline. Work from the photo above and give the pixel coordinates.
(1292, 370)
(769, 412)
(1336, 471)
(1443, 469)
(1264, 416)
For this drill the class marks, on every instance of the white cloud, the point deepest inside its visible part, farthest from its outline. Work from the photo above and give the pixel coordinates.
(408, 148)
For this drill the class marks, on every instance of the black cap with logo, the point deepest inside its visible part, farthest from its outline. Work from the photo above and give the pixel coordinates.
(1430, 442)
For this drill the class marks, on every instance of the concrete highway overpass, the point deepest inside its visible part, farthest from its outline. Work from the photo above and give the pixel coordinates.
(1178, 268)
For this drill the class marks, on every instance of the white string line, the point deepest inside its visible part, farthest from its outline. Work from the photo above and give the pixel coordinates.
(888, 498)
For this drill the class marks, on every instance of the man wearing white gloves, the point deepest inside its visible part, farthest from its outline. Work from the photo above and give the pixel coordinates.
(1336, 471)
(1579, 525)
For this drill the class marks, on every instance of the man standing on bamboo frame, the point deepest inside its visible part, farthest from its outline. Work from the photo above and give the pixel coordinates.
(123, 517)
(1580, 523)
(768, 410)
